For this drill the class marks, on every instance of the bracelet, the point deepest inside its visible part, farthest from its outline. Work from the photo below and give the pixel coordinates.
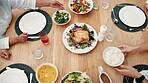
(139, 80)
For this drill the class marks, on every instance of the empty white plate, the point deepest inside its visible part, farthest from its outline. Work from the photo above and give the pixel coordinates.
(132, 16)
(32, 22)
(13, 75)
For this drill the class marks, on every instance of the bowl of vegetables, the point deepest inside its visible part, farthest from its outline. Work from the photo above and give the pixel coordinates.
(61, 17)
(80, 6)
(76, 77)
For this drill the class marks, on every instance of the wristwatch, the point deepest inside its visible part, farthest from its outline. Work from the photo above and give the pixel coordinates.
(139, 80)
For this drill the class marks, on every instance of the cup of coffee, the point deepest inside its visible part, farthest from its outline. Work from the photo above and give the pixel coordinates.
(103, 76)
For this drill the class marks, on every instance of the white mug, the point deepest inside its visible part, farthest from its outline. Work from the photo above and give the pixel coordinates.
(102, 72)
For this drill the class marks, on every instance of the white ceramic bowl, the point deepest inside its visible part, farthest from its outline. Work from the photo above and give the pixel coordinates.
(115, 50)
(89, 1)
(72, 72)
(61, 23)
(50, 64)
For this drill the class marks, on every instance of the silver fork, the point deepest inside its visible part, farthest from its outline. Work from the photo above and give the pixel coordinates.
(131, 29)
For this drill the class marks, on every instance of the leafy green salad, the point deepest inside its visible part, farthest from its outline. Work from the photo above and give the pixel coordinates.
(61, 17)
(76, 77)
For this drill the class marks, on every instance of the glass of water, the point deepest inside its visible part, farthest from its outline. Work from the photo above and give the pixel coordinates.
(109, 35)
(105, 4)
(96, 5)
(37, 53)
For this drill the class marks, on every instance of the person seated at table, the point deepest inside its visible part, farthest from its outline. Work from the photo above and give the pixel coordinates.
(132, 72)
(146, 5)
(5, 54)
(127, 70)
(6, 7)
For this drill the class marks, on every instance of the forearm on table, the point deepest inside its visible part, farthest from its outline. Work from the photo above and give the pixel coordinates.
(141, 47)
(42, 3)
(13, 41)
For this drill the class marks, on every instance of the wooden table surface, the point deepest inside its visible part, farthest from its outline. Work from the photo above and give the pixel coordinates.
(67, 61)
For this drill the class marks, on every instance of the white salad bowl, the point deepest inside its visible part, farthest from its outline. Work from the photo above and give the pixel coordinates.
(89, 1)
(72, 72)
(54, 15)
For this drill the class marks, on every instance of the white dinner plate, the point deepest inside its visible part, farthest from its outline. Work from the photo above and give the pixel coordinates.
(132, 16)
(79, 51)
(32, 22)
(13, 75)
(143, 72)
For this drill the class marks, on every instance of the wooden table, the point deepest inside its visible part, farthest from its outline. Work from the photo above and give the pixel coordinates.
(67, 61)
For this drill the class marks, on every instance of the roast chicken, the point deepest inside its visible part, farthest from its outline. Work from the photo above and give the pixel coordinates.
(80, 35)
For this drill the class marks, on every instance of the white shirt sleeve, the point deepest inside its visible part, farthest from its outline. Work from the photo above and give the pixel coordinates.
(23, 4)
(146, 1)
(4, 43)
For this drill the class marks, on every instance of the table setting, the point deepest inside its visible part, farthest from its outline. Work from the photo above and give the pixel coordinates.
(67, 41)
(129, 17)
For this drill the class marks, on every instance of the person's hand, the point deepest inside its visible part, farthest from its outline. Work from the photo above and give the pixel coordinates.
(128, 71)
(56, 4)
(126, 49)
(22, 38)
(146, 6)
(5, 54)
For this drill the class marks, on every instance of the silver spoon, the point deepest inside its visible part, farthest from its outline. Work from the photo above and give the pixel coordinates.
(31, 75)
(115, 20)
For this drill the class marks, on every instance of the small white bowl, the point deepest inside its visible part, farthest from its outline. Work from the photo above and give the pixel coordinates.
(50, 64)
(119, 51)
(72, 72)
(89, 1)
(61, 23)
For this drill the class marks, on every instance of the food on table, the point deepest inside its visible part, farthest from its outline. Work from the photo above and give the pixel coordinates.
(76, 77)
(80, 6)
(46, 74)
(113, 57)
(61, 17)
(80, 37)
(105, 79)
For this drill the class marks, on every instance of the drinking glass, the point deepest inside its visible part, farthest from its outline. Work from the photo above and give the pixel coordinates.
(109, 35)
(105, 4)
(44, 38)
(37, 53)
(96, 5)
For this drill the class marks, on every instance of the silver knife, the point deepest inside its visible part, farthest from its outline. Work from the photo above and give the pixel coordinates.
(33, 37)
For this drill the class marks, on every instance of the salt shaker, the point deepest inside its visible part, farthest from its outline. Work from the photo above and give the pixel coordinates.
(103, 29)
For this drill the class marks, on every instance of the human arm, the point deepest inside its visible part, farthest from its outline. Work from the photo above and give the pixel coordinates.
(32, 4)
(6, 42)
(51, 3)
(130, 72)
(132, 49)
(20, 39)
